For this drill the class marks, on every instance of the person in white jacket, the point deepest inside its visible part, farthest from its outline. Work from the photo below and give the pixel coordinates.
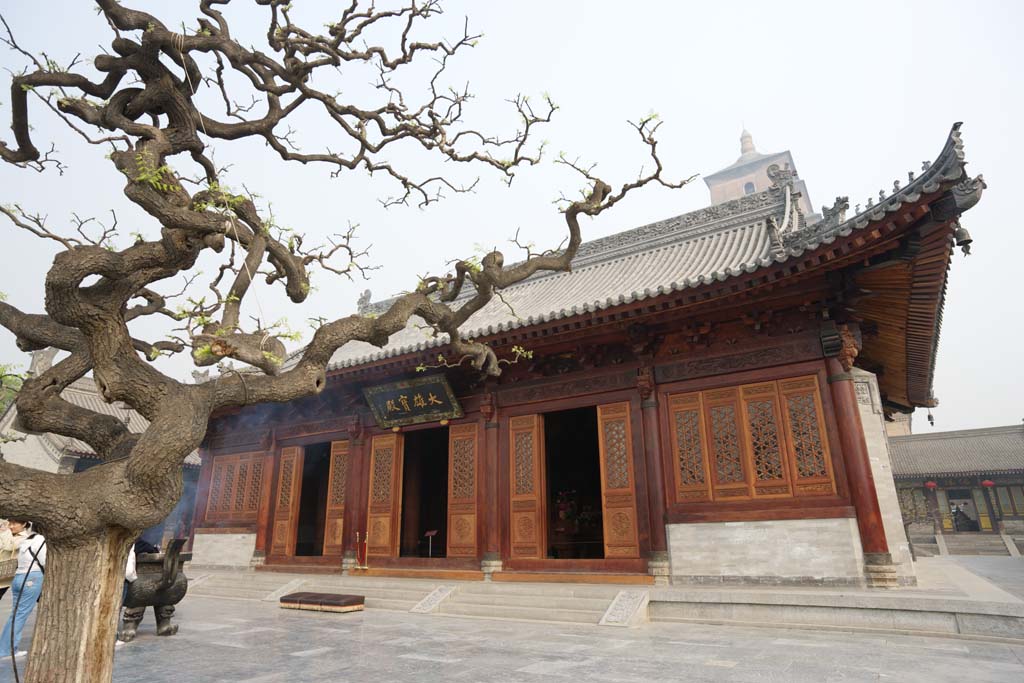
(26, 587)
(9, 542)
(129, 573)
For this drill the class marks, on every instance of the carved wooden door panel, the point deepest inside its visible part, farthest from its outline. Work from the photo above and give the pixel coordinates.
(286, 504)
(337, 483)
(688, 457)
(463, 451)
(805, 428)
(724, 428)
(765, 440)
(618, 486)
(527, 487)
(384, 514)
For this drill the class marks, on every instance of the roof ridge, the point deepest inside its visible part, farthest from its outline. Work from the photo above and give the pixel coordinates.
(961, 433)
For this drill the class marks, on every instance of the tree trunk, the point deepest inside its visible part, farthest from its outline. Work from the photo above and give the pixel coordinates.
(76, 624)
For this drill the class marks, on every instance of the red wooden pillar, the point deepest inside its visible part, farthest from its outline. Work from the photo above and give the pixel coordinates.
(354, 503)
(360, 486)
(855, 457)
(492, 520)
(266, 494)
(655, 473)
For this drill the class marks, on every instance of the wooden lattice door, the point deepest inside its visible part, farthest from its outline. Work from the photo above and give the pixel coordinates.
(618, 488)
(527, 487)
(286, 506)
(463, 451)
(383, 519)
(334, 527)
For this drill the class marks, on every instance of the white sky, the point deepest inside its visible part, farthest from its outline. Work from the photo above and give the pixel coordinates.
(860, 92)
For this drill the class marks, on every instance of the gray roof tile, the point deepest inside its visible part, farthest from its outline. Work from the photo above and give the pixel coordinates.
(970, 451)
(83, 393)
(696, 248)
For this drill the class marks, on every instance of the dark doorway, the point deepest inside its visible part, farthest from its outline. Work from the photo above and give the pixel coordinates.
(316, 465)
(962, 510)
(425, 494)
(573, 470)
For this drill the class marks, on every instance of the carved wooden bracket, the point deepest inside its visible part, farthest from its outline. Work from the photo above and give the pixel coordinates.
(842, 342)
(645, 382)
(488, 407)
(850, 346)
(354, 427)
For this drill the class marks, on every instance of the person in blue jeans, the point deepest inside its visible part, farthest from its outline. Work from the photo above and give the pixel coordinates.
(26, 587)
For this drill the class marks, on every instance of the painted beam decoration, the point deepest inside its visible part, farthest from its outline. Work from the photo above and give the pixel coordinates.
(413, 401)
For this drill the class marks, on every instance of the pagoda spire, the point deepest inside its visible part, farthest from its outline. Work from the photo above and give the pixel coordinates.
(747, 143)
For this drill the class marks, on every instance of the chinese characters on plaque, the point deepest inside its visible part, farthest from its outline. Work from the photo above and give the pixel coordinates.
(424, 399)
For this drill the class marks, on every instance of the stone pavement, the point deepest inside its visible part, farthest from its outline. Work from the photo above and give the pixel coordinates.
(1005, 572)
(224, 640)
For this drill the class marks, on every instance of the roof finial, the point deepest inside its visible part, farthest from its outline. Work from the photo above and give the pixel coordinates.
(746, 143)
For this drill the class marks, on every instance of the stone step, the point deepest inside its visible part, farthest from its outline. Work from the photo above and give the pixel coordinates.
(521, 613)
(542, 589)
(206, 590)
(384, 603)
(368, 592)
(378, 582)
(541, 601)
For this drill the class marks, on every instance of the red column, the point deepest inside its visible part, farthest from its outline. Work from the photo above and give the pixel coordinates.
(492, 520)
(855, 457)
(655, 473)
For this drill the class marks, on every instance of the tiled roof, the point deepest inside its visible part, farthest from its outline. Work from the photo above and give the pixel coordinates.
(83, 394)
(970, 451)
(709, 245)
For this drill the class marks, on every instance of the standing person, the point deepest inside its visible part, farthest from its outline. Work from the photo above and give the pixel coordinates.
(129, 573)
(9, 542)
(26, 587)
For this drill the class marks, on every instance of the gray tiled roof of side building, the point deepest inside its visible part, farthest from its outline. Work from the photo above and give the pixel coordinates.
(699, 247)
(83, 393)
(970, 451)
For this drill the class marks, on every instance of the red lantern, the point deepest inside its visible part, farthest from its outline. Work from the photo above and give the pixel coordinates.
(988, 483)
(930, 485)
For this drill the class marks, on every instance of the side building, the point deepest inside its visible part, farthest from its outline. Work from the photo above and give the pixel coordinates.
(964, 481)
(55, 453)
(705, 403)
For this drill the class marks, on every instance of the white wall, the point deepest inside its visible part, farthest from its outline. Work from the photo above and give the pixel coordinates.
(224, 550)
(791, 549)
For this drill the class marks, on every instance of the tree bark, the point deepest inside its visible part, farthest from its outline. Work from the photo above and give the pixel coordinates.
(76, 622)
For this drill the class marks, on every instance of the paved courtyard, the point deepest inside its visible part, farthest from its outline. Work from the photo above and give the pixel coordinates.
(244, 640)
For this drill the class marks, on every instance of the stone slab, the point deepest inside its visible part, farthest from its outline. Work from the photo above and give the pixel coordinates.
(628, 609)
(432, 602)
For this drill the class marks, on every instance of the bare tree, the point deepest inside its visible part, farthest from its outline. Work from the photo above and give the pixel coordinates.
(142, 109)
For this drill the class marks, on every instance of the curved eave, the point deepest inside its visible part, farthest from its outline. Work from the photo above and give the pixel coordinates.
(807, 249)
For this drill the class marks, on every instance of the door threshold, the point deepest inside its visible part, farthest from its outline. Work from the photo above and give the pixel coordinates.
(574, 577)
(410, 573)
(302, 568)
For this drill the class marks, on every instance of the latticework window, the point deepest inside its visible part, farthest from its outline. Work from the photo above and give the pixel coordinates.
(235, 486)
(756, 440)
